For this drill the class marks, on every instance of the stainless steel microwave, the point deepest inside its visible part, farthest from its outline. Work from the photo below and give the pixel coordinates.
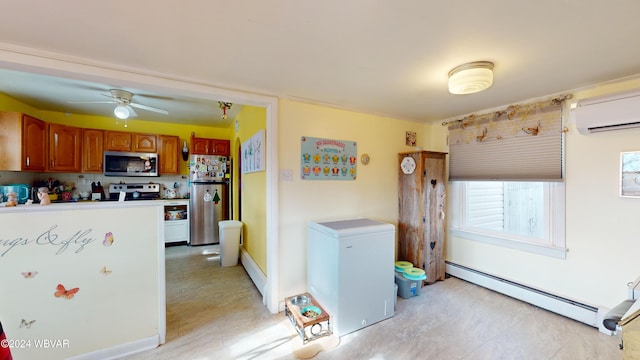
(117, 163)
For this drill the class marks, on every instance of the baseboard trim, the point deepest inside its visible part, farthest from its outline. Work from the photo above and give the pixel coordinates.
(122, 350)
(572, 309)
(256, 275)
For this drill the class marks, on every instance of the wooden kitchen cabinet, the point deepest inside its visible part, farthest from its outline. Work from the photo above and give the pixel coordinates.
(221, 147)
(92, 148)
(168, 154)
(422, 201)
(64, 148)
(199, 146)
(117, 141)
(23, 142)
(126, 141)
(205, 146)
(143, 143)
(34, 149)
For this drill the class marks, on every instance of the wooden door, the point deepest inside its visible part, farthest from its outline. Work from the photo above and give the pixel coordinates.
(92, 148)
(434, 219)
(64, 148)
(168, 154)
(34, 149)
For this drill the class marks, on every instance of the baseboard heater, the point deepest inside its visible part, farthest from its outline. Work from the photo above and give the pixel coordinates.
(566, 307)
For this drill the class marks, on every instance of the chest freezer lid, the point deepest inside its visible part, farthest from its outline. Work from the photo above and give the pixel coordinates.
(351, 226)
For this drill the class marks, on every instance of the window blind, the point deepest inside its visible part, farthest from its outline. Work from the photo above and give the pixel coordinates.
(523, 143)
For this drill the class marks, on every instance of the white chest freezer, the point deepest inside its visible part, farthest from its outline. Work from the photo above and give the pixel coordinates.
(350, 271)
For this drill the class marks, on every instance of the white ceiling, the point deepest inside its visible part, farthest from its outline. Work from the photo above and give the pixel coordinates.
(375, 56)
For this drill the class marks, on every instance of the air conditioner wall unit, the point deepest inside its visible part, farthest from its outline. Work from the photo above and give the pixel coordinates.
(610, 112)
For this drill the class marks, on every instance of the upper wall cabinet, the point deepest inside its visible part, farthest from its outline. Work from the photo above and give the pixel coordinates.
(126, 141)
(22, 142)
(64, 148)
(168, 154)
(117, 141)
(34, 149)
(205, 146)
(143, 143)
(92, 148)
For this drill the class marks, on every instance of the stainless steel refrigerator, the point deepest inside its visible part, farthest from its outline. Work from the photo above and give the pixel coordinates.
(208, 199)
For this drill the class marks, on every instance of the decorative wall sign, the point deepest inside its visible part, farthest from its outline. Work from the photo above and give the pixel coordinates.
(630, 174)
(328, 159)
(253, 153)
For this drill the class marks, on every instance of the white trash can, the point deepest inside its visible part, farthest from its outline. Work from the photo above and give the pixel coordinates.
(230, 233)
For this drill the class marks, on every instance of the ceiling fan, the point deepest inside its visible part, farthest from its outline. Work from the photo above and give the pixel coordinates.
(124, 107)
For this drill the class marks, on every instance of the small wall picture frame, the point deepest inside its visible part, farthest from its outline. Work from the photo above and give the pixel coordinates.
(630, 174)
(411, 138)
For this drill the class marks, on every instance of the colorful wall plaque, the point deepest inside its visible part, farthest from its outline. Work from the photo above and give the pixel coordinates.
(328, 159)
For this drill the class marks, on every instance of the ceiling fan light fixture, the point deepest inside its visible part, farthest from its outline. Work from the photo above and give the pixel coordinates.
(471, 77)
(121, 112)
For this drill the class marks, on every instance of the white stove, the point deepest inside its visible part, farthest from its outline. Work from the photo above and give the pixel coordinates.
(143, 191)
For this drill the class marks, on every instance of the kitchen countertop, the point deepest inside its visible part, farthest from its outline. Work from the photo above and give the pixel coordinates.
(73, 205)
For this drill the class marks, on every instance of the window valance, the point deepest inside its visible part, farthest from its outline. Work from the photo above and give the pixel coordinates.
(522, 142)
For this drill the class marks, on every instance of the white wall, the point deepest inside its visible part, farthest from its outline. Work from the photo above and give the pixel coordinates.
(601, 227)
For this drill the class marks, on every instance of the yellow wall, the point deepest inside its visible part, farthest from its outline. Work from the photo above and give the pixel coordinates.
(601, 227)
(253, 199)
(8, 103)
(373, 194)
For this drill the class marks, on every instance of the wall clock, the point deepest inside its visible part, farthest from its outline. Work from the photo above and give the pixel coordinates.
(408, 165)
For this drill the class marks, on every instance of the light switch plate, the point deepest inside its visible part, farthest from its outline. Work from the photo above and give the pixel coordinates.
(286, 175)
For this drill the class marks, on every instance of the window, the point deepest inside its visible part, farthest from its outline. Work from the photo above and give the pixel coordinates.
(522, 215)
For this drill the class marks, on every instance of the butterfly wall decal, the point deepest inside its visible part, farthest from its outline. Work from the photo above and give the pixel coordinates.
(108, 239)
(105, 271)
(29, 274)
(532, 130)
(67, 294)
(27, 324)
(480, 138)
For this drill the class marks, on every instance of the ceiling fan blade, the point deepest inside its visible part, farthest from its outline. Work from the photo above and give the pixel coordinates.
(92, 102)
(132, 112)
(149, 108)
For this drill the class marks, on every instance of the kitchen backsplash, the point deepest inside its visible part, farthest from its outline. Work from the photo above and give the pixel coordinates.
(83, 181)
